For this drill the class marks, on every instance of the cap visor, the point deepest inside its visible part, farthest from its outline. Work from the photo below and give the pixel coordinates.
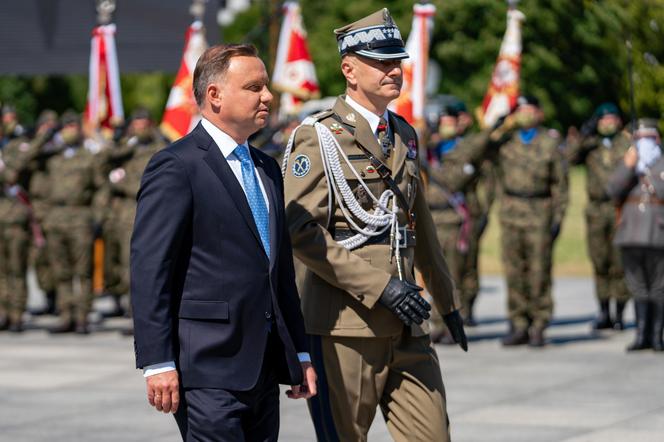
(386, 53)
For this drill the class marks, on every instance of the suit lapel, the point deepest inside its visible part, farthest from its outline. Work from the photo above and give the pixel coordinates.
(363, 133)
(222, 170)
(269, 186)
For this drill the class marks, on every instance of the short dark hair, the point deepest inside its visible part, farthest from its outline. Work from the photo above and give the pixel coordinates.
(214, 63)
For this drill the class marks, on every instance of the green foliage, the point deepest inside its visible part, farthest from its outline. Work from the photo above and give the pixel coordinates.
(574, 56)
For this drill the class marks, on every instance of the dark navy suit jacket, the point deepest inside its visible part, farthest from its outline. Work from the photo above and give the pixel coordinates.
(204, 293)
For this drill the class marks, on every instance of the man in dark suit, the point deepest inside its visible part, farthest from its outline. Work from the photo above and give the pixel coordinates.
(216, 312)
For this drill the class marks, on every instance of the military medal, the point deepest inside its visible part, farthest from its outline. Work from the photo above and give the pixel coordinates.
(370, 169)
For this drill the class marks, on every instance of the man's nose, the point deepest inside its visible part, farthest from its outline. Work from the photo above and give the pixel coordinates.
(267, 96)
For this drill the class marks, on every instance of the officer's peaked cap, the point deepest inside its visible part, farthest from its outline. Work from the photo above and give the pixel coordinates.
(375, 36)
(47, 115)
(646, 127)
(527, 99)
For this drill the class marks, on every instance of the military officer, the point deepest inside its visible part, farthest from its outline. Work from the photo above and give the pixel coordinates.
(72, 173)
(533, 182)
(637, 185)
(124, 181)
(359, 222)
(601, 148)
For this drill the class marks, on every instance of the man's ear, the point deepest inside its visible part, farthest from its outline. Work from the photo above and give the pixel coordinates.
(348, 70)
(213, 94)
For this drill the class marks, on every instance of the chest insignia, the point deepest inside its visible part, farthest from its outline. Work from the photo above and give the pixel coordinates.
(351, 117)
(336, 128)
(412, 149)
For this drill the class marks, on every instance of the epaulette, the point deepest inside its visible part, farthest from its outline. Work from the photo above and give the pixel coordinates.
(318, 116)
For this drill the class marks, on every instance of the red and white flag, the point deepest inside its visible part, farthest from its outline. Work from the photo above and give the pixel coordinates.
(504, 86)
(294, 73)
(104, 106)
(182, 114)
(410, 103)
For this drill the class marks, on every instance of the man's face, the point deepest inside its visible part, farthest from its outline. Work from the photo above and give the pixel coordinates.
(141, 127)
(245, 98)
(464, 121)
(609, 124)
(528, 116)
(447, 127)
(379, 81)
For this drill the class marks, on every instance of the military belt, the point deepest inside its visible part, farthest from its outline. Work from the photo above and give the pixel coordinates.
(541, 194)
(408, 238)
(648, 200)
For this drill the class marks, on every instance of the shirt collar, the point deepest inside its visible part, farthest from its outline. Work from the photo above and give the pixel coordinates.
(371, 118)
(226, 144)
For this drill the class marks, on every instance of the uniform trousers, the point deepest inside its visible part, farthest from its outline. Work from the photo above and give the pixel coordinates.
(401, 374)
(644, 272)
(527, 262)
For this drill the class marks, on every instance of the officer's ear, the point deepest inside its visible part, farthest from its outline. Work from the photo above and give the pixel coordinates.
(348, 64)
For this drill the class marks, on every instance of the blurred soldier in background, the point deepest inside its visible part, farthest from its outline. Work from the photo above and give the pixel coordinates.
(16, 220)
(11, 127)
(143, 141)
(38, 191)
(638, 186)
(601, 147)
(72, 184)
(533, 182)
(455, 167)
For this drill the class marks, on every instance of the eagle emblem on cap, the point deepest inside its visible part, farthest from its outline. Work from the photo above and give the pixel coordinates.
(388, 18)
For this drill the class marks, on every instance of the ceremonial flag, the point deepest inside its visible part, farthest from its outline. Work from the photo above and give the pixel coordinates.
(410, 103)
(294, 73)
(104, 106)
(504, 86)
(182, 114)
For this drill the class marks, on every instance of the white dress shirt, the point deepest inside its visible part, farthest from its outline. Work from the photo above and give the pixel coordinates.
(371, 118)
(227, 145)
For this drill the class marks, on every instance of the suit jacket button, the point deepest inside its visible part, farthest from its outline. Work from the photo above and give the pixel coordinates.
(268, 315)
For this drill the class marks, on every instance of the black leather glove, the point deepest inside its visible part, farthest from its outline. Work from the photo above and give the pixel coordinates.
(482, 222)
(555, 231)
(589, 127)
(454, 323)
(403, 299)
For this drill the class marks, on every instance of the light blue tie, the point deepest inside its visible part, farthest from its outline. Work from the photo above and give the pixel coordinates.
(254, 196)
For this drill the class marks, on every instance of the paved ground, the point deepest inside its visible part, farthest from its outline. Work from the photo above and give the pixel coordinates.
(581, 387)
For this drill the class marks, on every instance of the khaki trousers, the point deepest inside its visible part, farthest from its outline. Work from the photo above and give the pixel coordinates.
(400, 374)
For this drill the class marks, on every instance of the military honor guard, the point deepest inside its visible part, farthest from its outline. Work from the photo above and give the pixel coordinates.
(360, 225)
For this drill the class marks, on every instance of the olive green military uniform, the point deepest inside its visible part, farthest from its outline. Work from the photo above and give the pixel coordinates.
(124, 182)
(363, 354)
(15, 217)
(533, 198)
(73, 180)
(601, 156)
(451, 183)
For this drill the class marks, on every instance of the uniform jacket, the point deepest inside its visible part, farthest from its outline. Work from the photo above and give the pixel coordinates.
(641, 220)
(340, 288)
(459, 171)
(203, 291)
(601, 155)
(536, 169)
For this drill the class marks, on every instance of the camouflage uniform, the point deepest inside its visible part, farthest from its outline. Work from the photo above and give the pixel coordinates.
(533, 183)
(601, 155)
(123, 183)
(455, 206)
(72, 178)
(15, 217)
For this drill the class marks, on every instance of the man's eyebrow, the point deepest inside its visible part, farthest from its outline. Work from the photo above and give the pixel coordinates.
(261, 80)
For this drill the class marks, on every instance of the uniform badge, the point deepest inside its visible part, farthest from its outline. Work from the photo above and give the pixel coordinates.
(336, 128)
(24, 147)
(468, 169)
(301, 166)
(351, 117)
(117, 175)
(370, 169)
(412, 149)
(69, 152)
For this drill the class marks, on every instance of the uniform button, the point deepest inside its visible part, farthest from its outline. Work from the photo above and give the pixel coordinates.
(268, 315)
